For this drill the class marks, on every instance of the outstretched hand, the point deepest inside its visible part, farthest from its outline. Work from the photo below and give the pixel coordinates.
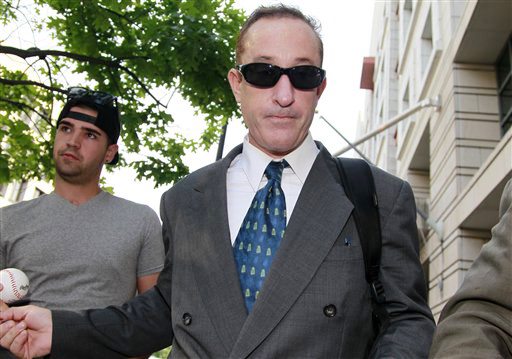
(26, 331)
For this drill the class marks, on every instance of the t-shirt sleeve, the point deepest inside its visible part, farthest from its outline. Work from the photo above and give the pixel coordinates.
(151, 256)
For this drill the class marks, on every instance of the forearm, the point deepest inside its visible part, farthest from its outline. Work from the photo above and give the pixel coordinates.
(140, 327)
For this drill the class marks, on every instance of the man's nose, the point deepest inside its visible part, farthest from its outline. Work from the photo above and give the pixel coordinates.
(74, 139)
(284, 92)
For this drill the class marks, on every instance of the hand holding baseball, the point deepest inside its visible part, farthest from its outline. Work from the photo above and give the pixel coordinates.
(13, 285)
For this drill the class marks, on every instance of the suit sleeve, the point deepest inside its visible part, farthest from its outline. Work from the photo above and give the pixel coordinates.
(411, 326)
(477, 321)
(139, 327)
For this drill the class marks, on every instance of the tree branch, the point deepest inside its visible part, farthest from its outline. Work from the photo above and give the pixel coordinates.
(34, 123)
(141, 84)
(27, 21)
(34, 51)
(84, 58)
(56, 65)
(20, 105)
(121, 16)
(51, 84)
(28, 82)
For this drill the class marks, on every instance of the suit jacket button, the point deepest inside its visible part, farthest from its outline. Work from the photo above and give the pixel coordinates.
(330, 310)
(187, 319)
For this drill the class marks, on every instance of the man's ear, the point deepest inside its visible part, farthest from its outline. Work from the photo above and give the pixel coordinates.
(111, 152)
(320, 89)
(235, 79)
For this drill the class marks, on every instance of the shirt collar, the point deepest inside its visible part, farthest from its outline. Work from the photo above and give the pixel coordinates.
(254, 161)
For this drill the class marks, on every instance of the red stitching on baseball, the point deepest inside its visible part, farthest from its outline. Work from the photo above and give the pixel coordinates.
(13, 283)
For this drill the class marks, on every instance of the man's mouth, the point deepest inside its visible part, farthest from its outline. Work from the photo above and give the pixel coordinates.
(282, 116)
(70, 156)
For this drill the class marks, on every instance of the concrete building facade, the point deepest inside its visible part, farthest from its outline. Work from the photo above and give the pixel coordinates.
(453, 58)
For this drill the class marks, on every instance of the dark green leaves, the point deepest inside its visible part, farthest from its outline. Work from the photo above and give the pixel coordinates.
(141, 51)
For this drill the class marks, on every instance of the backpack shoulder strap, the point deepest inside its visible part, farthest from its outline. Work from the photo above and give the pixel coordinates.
(360, 189)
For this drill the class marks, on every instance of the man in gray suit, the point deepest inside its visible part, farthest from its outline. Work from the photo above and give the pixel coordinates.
(477, 321)
(314, 301)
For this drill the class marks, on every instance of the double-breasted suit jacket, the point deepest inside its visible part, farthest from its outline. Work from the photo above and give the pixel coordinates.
(314, 303)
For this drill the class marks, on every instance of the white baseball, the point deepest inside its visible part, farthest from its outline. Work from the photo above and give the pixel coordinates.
(15, 285)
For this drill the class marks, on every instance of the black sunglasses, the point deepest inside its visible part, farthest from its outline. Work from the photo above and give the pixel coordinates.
(98, 97)
(304, 77)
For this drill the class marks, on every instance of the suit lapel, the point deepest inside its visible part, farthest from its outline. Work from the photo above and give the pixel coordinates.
(219, 285)
(316, 222)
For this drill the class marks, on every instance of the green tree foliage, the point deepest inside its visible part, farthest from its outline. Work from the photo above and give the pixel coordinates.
(140, 51)
(163, 354)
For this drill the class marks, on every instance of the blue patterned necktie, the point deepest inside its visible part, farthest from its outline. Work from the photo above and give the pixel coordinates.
(260, 234)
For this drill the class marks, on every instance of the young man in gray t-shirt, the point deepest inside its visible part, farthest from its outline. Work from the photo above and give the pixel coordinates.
(79, 246)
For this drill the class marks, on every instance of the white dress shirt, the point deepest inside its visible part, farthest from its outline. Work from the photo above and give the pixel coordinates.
(245, 177)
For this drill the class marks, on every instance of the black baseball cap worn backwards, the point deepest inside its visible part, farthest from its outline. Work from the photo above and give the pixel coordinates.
(106, 106)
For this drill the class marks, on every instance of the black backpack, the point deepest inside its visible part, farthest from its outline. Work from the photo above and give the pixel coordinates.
(360, 190)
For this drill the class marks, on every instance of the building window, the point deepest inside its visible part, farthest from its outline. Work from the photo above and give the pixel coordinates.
(504, 79)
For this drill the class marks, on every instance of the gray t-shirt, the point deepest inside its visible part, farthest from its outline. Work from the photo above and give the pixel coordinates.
(80, 257)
